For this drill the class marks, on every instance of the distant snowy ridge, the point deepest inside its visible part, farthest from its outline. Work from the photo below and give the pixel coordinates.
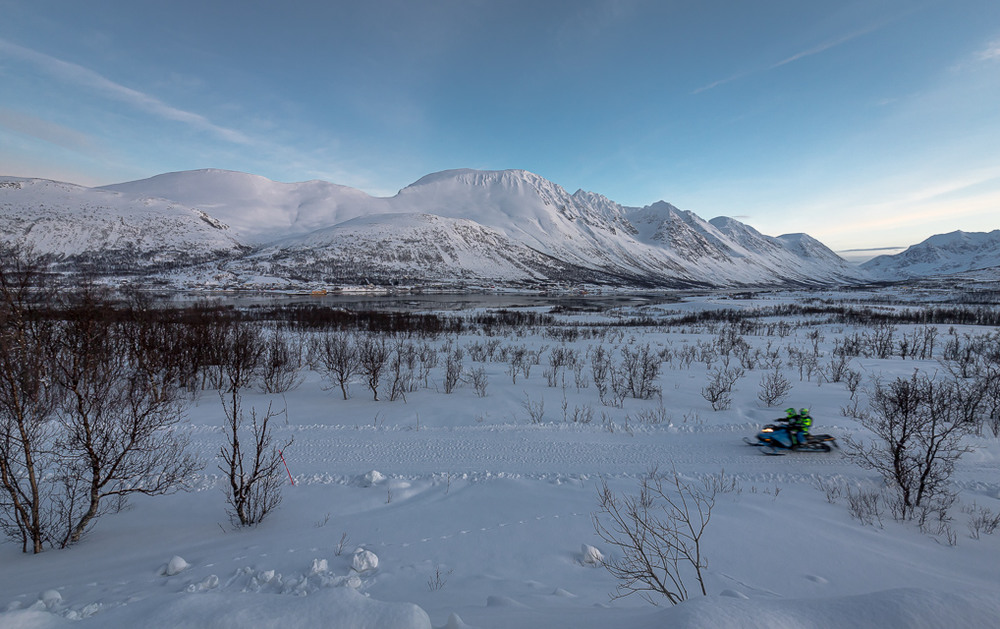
(82, 223)
(457, 227)
(943, 254)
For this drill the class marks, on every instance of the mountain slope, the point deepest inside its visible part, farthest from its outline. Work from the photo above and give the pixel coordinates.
(257, 209)
(943, 254)
(87, 224)
(468, 226)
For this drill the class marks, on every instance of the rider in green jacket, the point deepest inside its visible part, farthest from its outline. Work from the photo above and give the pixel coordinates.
(799, 423)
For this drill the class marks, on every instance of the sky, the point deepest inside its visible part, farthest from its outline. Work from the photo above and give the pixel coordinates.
(867, 124)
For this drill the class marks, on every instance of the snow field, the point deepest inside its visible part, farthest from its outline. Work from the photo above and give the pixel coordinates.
(480, 518)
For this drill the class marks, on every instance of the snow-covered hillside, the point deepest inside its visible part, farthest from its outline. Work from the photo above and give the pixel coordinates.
(257, 209)
(90, 224)
(510, 226)
(943, 254)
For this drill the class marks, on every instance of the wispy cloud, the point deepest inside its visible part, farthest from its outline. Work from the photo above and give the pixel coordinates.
(46, 130)
(74, 73)
(992, 51)
(967, 201)
(815, 50)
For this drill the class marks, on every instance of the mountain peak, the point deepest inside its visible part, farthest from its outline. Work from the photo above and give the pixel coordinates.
(473, 177)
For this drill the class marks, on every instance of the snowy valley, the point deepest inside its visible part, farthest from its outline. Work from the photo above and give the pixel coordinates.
(466, 495)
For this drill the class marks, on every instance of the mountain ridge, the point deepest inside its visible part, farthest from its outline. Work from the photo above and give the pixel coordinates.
(505, 227)
(941, 254)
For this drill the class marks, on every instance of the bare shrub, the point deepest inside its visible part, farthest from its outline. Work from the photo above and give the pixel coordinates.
(253, 470)
(255, 475)
(478, 379)
(561, 358)
(401, 362)
(517, 359)
(917, 439)
(657, 535)
(865, 505)
(86, 418)
(28, 402)
(280, 363)
(854, 409)
(600, 365)
(373, 354)
(651, 416)
(641, 369)
(832, 489)
(836, 370)
(580, 414)
(337, 357)
(117, 423)
(718, 391)
(535, 410)
(774, 388)
(722, 483)
(852, 379)
(427, 358)
(981, 520)
(452, 368)
(439, 579)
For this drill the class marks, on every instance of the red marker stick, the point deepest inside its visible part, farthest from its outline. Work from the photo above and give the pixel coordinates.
(286, 467)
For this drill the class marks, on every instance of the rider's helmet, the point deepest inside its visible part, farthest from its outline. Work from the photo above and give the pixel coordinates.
(791, 413)
(804, 412)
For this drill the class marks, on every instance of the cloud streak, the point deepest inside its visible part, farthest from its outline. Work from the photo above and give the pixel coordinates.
(79, 75)
(792, 59)
(51, 132)
(955, 201)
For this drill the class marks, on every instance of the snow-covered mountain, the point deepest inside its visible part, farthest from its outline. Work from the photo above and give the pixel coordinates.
(256, 209)
(943, 254)
(112, 229)
(457, 227)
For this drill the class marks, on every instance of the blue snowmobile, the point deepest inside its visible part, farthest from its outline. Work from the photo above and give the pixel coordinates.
(777, 439)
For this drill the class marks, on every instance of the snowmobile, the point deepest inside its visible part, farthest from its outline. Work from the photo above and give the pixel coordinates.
(777, 439)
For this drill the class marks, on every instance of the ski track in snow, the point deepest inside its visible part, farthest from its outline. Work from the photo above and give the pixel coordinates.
(336, 455)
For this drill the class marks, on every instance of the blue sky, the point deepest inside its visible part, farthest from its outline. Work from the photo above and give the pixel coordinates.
(866, 124)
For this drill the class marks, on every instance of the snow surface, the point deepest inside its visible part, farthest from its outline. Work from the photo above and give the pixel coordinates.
(480, 518)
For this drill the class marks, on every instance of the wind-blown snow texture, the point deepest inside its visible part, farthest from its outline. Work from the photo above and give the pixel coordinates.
(459, 228)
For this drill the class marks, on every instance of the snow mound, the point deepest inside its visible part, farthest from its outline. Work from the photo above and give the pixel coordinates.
(591, 555)
(373, 477)
(319, 566)
(455, 622)
(734, 594)
(364, 561)
(50, 598)
(33, 619)
(176, 565)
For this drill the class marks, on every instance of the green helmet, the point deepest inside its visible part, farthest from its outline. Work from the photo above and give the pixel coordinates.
(804, 412)
(790, 412)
